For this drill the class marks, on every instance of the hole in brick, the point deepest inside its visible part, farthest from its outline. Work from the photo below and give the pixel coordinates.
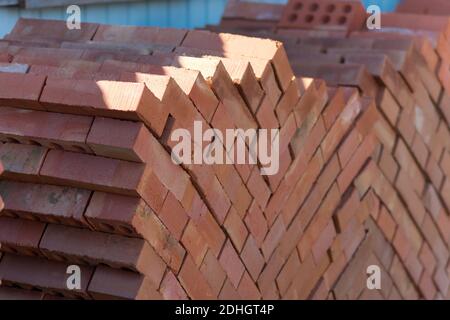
(298, 6)
(309, 18)
(331, 8)
(342, 20)
(348, 8)
(326, 19)
(314, 7)
(293, 17)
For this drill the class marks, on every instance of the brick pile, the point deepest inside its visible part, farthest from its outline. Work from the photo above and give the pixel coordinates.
(363, 179)
(404, 68)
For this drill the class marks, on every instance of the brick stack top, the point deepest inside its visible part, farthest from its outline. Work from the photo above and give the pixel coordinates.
(404, 67)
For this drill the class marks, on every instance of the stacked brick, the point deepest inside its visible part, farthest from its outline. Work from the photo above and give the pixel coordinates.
(404, 68)
(364, 160)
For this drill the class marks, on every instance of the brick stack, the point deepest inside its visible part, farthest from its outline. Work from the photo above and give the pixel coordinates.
(88, 180)
(404, 68)
(363, 170)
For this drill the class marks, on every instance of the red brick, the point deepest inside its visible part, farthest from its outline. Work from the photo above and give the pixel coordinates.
(427, 258)
(213, 272)
(50, 276)
(194, 243)
(89, 247)
(356, 162)
(20, 235)
(108, 283)
(340, 127)
(105, 98)
(266, 116)
(236, 229)
(258, 188)
(386, 223)
(22, 162)
(256, 223)
(50, 30)
(232, 264)
(21, 90)
(323, 242)
(171, 288)
(252, 258)
(44, 202)
(287, 102)
(228, 292)
(173, 216)
(104, 174)
(288, 272)
(139, 35)
(247, 288)
(48, 129)
(193, 281)
(132, 141)
(273, 238)
(131, 216)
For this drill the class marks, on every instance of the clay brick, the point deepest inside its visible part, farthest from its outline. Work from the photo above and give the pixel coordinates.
(273, 238)
(105, 98)
(21, 162)
(258, 188)
(356, 162)
(94, 247)
(171, 288)
(193, 281)
(210, 230)
(252, 258)
(104, 174)
(236, 229)
(47, 129)
(256, 223)
(287, 102)
(20, 235)
(228, 292)
(340, 127)
(247, 288)
(387, 224)
(194, 243)
(173, 216)
(50, 30)
(139, 35)
(213, 272)
(21, 90)
(44, 202)
(266, 116)
(288, 272)
(131, 216)
(108, 283)
(231, 263)
(50, 276)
